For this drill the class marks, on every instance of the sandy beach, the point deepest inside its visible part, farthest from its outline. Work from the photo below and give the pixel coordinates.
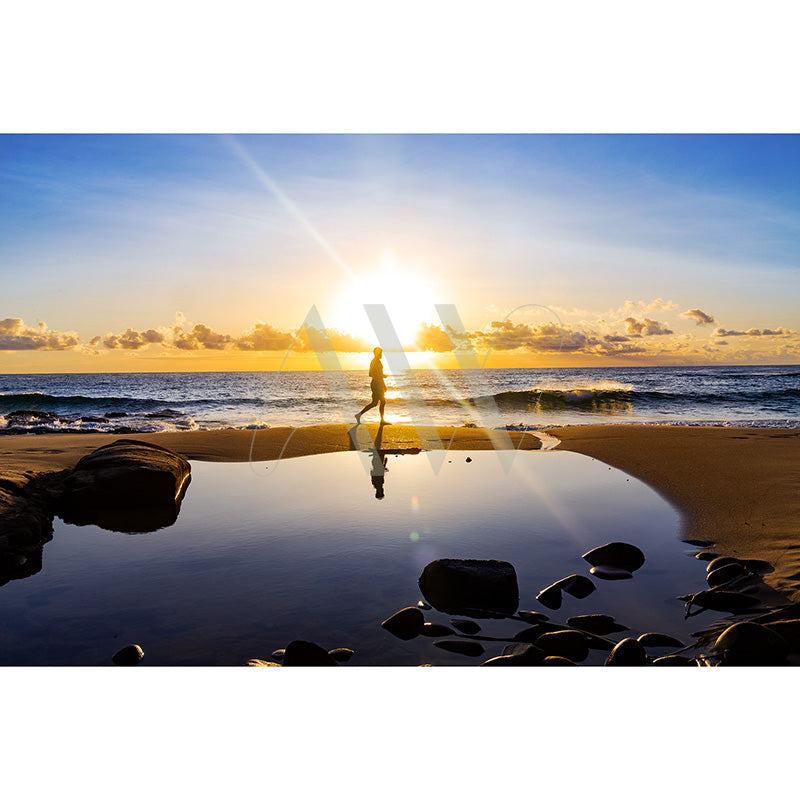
(735, 487)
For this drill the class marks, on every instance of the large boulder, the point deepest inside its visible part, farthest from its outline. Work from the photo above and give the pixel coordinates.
(127, 485)
(473, 587)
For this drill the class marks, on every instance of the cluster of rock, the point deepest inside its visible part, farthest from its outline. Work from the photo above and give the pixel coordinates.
(128, 486)
(488, 589)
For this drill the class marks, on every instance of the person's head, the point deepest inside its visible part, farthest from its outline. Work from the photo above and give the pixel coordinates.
(377, 352)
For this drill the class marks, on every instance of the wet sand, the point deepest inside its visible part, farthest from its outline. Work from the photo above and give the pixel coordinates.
(735, 487)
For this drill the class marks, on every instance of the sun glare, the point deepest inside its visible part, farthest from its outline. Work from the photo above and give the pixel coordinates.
(408, 296)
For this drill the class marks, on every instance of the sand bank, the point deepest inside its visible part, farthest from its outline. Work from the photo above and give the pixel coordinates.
(737, 487)
(50, 452)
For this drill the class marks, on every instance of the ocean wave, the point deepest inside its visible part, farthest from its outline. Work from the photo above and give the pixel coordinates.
(623, 397)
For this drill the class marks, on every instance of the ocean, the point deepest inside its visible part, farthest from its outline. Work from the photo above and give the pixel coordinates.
(760, 396)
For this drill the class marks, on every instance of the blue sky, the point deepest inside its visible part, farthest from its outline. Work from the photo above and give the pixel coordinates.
(99, 234)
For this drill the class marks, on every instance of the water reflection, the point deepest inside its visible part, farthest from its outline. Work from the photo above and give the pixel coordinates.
(251, 565)
(378, 468)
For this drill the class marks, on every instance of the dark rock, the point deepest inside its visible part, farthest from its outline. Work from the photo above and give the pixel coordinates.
(465, 626)
(659, 640)
(577, 585)
(127, 486)
(704, 556)
(278, 654)
(464, 648)
(788, 630)
(424, 606)
(550, 597)
(674, 661)
(433, 629)
(129, 656)
(569, 644)
(725, 573)
(750, 644)
(405, 624)
(532, 616)
(557, 661)
(610, 573)
(341, 654)
(721, 561)
(468, 460)
(627, 653)
(598, 643)
(601, 624)
(470, 586)
(616, 554)
(720, 600)
(535, 631)
(517, 655)
(257, 662)
(300, 653)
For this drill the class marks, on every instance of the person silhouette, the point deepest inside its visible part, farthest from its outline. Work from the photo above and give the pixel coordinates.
(378, 468)
(377, 384)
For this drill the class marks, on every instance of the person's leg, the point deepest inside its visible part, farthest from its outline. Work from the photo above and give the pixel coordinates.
(383, 405)
(365, 409)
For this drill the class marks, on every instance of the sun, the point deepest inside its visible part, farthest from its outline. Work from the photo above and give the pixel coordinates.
(409, 298)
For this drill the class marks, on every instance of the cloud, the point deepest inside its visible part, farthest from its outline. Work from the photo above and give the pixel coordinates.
(201, 337)
(755, 332)
(700, 317)
(645, 327)
(439, 340)
(548, 337)
(14, 335)
(130, 340)
(263, 337)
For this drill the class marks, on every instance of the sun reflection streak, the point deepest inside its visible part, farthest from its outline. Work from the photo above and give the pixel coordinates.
(287, 204)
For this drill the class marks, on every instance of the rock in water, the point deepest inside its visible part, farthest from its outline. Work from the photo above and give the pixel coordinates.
(460, 646)
(674, 661)
(725, 573)
(721, 561)
(126, 486)
(627, 653)
(616, 554)
(300, 653)
(610, 573)
(569, 644)
(532, 616)
(405, 624)
(550, 597)
(748, 644)
(129, 656)
(720, 600)
(517, 655)
(557, 661)
(601, 624)
(341, 654)
(577, 585)
(467, 626)
(258, 662)
(658, 640)
(470, 586)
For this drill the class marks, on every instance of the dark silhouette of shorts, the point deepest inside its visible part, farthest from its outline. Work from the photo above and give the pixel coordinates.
(378, 390)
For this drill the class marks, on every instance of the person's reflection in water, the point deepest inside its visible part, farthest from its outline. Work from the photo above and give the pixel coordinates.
(379, 468)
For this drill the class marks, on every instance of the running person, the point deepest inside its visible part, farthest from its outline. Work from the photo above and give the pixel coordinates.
(378, 386)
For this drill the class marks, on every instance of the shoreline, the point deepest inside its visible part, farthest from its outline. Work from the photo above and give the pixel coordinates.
(735, 487)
